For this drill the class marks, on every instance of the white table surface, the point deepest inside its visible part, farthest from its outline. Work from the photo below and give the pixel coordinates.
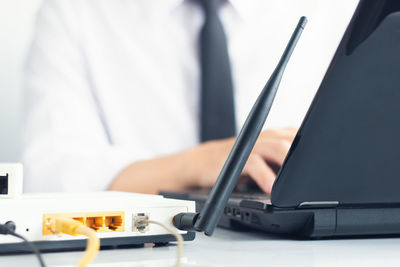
(229, 248)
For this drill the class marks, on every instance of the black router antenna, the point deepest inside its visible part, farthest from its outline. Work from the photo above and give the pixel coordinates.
(212, 211)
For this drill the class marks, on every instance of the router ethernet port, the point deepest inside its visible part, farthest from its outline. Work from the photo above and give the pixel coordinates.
(137, 222)
(79, 219)
(101, 222)
(113, 222)
(94, 222)
(4, 184)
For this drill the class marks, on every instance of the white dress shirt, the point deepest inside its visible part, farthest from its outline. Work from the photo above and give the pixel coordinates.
(113, 82)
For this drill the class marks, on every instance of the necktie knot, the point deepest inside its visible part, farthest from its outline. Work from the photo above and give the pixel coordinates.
(210, 6)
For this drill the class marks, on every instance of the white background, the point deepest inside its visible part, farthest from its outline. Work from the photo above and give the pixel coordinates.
(16, 29)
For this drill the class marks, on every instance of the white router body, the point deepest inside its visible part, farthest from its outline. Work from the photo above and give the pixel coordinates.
(111, 214)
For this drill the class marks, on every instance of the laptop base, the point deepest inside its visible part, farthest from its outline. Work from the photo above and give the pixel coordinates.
(310, 221)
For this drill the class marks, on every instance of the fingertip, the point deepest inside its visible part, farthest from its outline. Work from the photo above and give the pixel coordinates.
(267, 187)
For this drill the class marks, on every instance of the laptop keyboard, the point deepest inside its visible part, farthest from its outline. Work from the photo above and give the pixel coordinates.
(251, 196)
(241, 193)
(249, 191)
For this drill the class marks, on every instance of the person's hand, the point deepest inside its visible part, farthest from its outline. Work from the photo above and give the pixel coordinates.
(201, 165)
(205, 161)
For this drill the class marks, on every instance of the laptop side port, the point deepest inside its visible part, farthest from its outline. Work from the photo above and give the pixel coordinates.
(98, 221)
(228, 211)
(246, 216)
(137, 222)
(236, 213)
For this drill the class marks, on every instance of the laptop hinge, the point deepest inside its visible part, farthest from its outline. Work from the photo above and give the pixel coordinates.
(318, 204)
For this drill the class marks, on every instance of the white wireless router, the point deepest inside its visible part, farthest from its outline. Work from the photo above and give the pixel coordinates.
(113, 215)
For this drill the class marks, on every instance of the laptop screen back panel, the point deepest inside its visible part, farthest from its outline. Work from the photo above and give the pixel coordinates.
(348, 148)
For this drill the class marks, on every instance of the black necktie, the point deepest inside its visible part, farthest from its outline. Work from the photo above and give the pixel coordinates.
(217, 104)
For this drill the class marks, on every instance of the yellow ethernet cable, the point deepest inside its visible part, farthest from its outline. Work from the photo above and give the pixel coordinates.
(73, 227)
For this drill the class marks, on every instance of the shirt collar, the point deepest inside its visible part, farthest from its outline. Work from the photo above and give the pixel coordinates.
(242, 8)
(239, 6)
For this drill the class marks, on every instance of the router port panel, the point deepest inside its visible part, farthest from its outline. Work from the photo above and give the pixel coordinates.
(110, 214)
(98, 221)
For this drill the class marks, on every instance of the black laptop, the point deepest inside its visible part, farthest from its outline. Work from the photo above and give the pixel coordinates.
(341, 176)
